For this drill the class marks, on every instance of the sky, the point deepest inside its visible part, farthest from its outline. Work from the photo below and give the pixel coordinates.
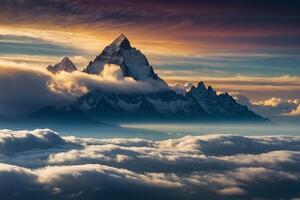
(250, 48)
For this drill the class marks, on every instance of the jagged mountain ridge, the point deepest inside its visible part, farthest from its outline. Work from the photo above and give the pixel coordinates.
(199, 103)
(165, 105)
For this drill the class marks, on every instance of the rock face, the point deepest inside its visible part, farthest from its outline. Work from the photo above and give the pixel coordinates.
(65, 65)
(131, 61)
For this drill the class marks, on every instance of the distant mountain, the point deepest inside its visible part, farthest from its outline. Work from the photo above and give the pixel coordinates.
(131, 61)
(65, 65)
(200, 103)
(219, 106)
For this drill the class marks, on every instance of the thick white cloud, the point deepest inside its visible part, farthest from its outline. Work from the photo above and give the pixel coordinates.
(12, 142)
(25, 89)
(269, 102)
(274, 108)
(43, 163)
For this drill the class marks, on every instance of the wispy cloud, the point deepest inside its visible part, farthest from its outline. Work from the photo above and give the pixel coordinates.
(32, 46)
(39, 61)
(194, 27)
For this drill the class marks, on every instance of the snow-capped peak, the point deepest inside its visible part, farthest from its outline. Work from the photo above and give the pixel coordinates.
(121, 42)
(132, 62)
(64, 65)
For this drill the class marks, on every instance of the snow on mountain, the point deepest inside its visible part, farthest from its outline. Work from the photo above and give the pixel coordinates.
(131, 61)
(64, 65)
(218, 105)
(200, 103)
(156, 104)
(180, 88)
(205, 97)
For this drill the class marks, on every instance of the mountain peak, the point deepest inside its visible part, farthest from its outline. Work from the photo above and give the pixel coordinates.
(201, 86)
(66, 60)
(132, 62)
(64, 65)
(122, 42)
(211, 91)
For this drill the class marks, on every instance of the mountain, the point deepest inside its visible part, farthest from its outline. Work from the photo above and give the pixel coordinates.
(65, 65)
(132, 62)
(200, 103)
(165, 104)
(219, 106)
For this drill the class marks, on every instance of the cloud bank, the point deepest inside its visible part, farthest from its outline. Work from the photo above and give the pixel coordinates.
(25, 89)
(274, 108)
(192, 167)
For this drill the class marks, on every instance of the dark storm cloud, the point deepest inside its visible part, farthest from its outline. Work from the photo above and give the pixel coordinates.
(192, 167)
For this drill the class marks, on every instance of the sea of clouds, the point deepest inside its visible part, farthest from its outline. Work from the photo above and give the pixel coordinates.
(42, 164)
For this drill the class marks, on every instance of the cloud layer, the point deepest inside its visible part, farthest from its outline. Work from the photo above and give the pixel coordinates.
(192, 167)
(25, 89)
